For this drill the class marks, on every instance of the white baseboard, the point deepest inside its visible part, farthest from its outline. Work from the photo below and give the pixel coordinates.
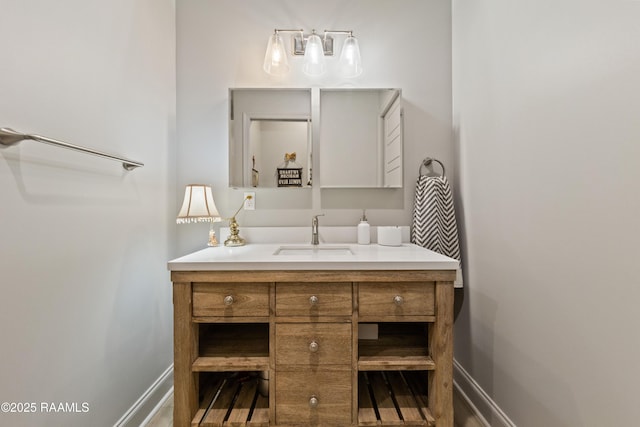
(486, 409)
(148, 404)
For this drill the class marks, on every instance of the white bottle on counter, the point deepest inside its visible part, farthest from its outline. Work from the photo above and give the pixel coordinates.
(364, 231)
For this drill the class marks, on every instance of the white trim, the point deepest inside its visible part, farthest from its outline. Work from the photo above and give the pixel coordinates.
(477, 416)
(139, 414)
(479, 401)
(160, 404)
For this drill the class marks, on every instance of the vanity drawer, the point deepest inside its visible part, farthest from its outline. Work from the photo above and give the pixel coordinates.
(319, 398)
(313, 299)
(396, 299)
(313, 343)
(230, 299)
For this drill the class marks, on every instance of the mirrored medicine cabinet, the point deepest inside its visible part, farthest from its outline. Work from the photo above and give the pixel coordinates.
(359, 132)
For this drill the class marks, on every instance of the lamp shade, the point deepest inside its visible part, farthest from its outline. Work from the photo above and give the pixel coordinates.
(350, 62)
(275, 59)
(198, 205)
(314, 64)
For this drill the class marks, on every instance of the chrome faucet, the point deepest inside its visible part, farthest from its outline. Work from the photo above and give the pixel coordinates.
(314, 229)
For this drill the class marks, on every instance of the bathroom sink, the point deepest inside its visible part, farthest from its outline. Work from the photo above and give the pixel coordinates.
(313, 249)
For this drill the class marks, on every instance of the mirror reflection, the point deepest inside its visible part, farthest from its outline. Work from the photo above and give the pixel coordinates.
(360, 138)
(270, 138)
(281, 150)
(360, 132)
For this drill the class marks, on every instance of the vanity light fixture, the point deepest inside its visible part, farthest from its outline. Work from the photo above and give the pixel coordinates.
(275, 59)
(314, 64)
(314, 48)
(198, 206)
(350, 62)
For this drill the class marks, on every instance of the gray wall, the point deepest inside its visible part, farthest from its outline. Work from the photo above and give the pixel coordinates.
(221, 44)
(86, 297)
(546, 102)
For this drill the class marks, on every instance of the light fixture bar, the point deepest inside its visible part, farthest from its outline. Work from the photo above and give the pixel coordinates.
(277, 30)
(300, 43)
(349, 32)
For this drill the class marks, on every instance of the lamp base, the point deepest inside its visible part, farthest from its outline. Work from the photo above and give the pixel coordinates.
(234, 241)
(213, 241)
(234, 238)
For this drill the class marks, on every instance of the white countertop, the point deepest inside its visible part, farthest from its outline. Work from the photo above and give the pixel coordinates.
(261, 256)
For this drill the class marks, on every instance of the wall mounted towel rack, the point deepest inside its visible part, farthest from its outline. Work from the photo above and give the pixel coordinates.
(427, 162)
(10, 137)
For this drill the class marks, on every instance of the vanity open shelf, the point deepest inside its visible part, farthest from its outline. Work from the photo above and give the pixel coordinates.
(233, 347)
(393, 398)
(300, 329)
(232, 400)
(398, 346)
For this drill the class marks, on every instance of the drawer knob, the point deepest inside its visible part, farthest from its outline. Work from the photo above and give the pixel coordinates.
(313, 347)
(398, 300)
(228, 300)
(313, 300)
(313, 402)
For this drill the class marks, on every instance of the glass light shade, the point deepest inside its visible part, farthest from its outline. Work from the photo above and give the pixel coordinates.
(350, 62)
(314, 64)
(275, 59)
(198, 205)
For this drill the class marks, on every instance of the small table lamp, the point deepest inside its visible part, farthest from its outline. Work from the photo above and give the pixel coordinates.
(198, 206)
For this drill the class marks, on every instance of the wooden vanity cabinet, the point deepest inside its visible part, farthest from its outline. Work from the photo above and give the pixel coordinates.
(301, 329)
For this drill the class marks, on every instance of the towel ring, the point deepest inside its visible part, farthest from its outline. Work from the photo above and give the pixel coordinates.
(427, 162)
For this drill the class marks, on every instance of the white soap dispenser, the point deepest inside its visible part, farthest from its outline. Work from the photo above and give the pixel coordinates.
(364, 233)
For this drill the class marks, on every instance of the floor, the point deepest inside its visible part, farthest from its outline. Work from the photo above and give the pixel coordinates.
(164, 416)
(464, 416)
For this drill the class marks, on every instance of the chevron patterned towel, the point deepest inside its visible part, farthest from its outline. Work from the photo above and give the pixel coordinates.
(434, 220)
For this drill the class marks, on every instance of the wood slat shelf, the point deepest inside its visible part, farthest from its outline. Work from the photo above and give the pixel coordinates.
(393, 399)
(230, 319)
(232, 401)
(230, 364)
(394, 363)
(380, 318)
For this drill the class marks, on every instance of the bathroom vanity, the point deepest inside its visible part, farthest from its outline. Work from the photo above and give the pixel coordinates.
(344, 335)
